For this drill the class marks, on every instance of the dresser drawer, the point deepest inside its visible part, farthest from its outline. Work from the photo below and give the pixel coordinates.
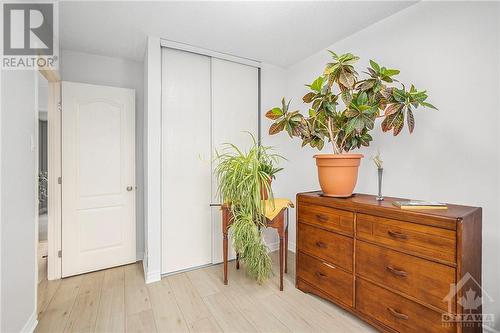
(329, 246)
(396, 311)
(326, 277)
(425, 280)
(430, 242)
(328, 218)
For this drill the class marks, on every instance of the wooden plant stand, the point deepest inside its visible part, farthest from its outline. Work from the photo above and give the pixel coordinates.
(279, 223)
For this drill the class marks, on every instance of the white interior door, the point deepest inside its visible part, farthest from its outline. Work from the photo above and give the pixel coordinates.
(186, 155)
(98, 177)
(235, 106)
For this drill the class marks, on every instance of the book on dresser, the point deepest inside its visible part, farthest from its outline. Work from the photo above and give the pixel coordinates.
(399, 270)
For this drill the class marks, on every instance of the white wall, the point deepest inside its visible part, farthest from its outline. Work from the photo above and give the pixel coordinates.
(452, 50)
(18, 174)
(101, 70)
(273, 88)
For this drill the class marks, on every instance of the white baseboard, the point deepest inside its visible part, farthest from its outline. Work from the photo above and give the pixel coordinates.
(30, 325)
(151, 277)
(490, 329)
(276, 245)
(273, 246)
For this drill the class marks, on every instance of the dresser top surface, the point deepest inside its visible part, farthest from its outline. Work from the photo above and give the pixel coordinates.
(367, 201)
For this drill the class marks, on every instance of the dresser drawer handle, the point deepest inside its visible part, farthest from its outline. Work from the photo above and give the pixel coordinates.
(322, 218)
(321, 245)
(397, 271)
(396, 314)
(321, 275)
(396, 234)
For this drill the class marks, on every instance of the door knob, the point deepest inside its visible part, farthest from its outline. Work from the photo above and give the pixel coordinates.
(129, 188)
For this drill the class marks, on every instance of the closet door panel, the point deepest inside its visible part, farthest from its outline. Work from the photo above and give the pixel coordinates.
(186, 166)
(234, 110)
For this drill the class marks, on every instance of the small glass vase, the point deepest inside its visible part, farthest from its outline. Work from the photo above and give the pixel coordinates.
(379, 196)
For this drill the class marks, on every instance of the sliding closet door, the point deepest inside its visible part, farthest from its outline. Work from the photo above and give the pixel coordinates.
(186, 151)
(235, 107)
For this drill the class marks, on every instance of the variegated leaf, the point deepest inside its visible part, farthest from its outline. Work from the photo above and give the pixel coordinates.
(387, 93)
(392, 108)
(388, 123)
(346, 97)
(274, 113)
(410, 120)
(349, 113)
(308, 97)
(359, 124)
(346, 79)
(276, 128)
(399, 123)
(368, 84)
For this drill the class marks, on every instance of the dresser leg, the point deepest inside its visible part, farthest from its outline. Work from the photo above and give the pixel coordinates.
(281, 262)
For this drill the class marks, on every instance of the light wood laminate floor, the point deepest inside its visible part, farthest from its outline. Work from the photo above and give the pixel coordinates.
(118, 300)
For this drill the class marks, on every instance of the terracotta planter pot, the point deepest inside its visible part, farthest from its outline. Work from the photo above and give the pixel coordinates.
(338, 173)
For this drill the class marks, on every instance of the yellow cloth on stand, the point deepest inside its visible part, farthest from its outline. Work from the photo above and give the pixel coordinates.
(271, 211)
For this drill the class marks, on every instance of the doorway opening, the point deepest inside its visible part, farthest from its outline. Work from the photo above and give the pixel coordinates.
(43, 177)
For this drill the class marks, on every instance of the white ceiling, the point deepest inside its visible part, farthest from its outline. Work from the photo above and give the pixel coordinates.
(279, 33)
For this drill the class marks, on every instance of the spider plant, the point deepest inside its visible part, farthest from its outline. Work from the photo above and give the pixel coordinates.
(241, 175)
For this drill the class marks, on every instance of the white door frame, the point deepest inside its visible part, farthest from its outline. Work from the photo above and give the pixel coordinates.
(53, 168)
(54, 261)
(54, 172)
(214, 54)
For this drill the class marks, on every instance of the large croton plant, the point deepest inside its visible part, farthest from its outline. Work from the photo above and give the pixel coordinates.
(343, 106)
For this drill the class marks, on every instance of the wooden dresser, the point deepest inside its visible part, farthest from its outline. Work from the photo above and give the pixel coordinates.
(393, 268)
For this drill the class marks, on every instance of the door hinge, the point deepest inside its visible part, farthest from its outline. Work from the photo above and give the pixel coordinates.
(59, 180)
(59, 253)
(59, 106)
